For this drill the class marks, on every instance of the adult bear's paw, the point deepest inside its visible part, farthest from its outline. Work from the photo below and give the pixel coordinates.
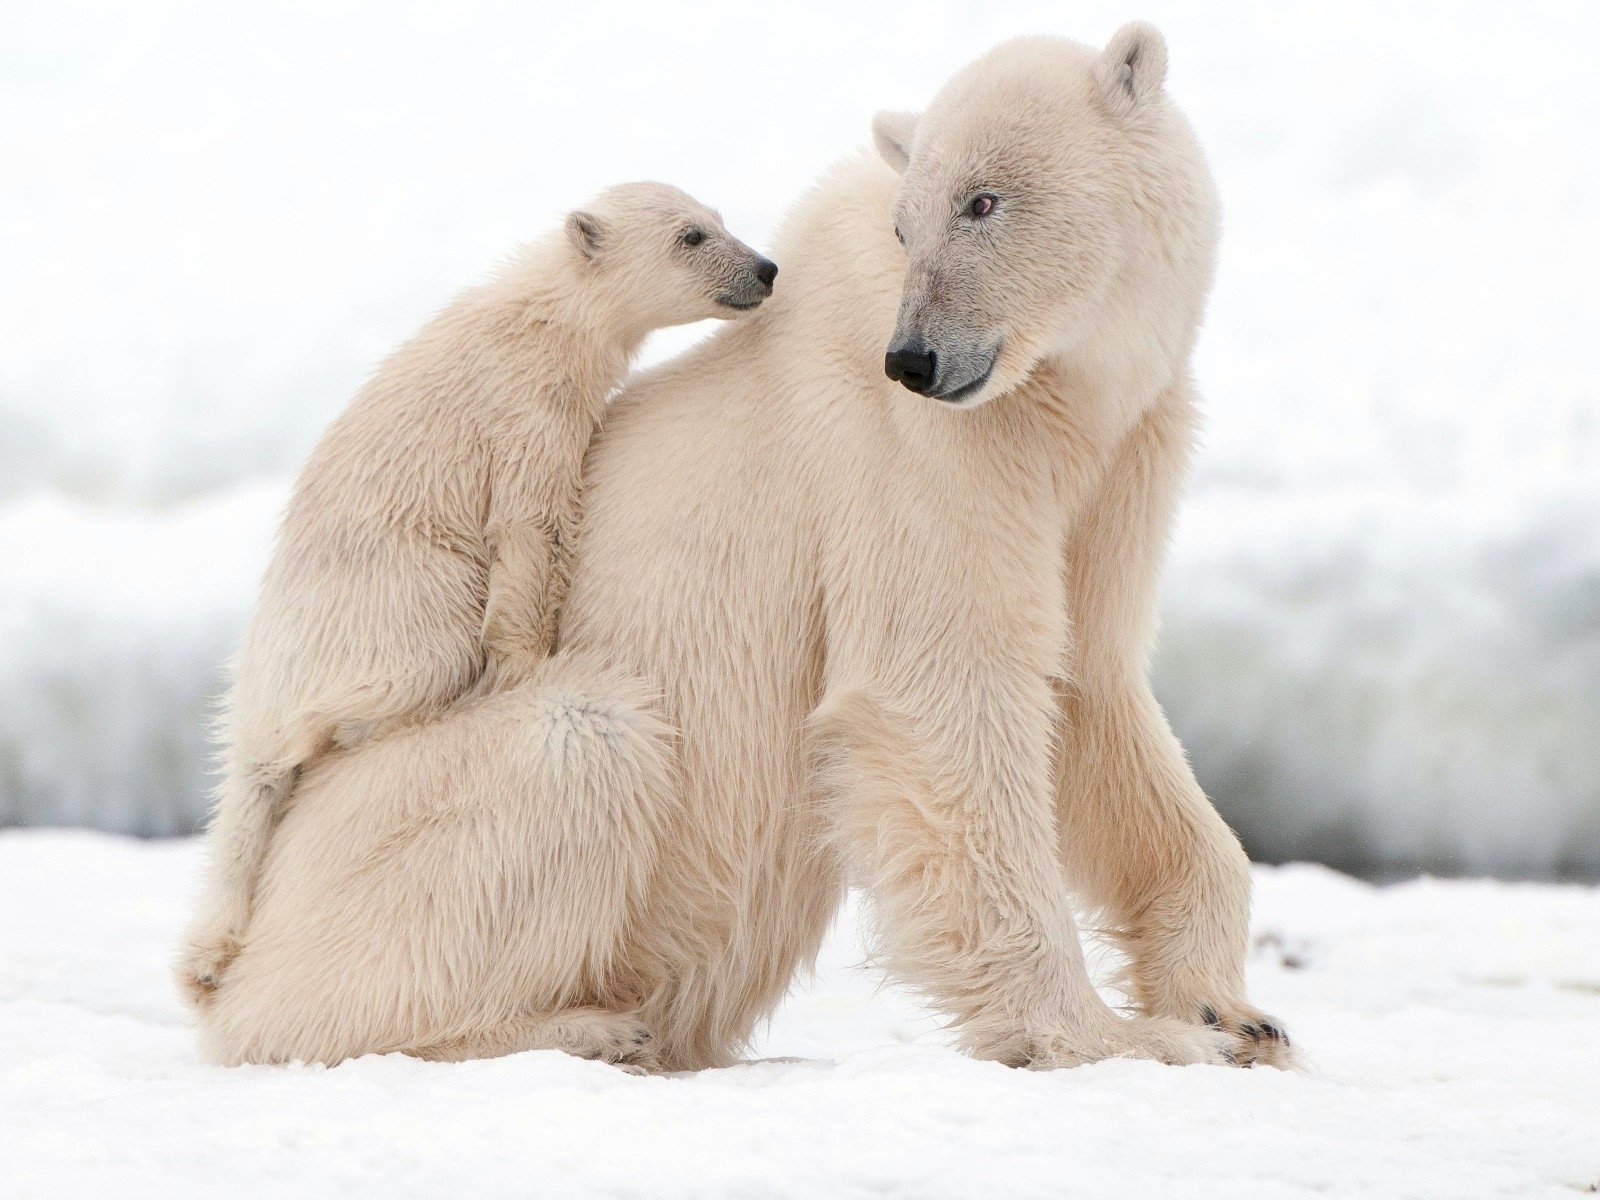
(1257, 1037)
(1159, 1039)
(620, 1039)
(1199, 999)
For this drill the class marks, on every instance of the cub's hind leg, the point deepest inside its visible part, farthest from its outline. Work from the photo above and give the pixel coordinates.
(249, 801)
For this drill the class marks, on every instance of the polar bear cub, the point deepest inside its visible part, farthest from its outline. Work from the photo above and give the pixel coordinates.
(426, 547)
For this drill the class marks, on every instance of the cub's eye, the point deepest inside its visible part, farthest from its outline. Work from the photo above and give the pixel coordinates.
(693, 238)
(898, 236)
(982, 205)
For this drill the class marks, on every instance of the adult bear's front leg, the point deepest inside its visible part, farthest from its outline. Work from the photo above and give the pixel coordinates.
(1139, 838)
(1169, 877)
(944, 811)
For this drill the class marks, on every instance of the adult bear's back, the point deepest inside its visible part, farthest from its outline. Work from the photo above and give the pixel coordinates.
(695, 541)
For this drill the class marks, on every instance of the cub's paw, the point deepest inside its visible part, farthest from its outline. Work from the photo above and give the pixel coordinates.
(1257, 1038)
(201, 965)
(1159, 1039)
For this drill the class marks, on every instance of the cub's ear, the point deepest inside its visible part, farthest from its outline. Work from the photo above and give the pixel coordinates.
(891, 134)
(587, 233)
(1132, 67)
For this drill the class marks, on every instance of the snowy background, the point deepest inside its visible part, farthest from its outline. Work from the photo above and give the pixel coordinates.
(1382, 634)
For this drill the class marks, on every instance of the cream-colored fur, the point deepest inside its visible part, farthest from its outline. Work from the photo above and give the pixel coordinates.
(427, 546)
(824, 630)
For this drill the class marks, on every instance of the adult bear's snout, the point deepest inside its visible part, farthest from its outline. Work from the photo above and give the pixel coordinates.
(913, 366)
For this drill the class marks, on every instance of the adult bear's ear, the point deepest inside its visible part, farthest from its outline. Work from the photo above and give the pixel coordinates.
(891, 134)
(587, 233)
(1132, 67)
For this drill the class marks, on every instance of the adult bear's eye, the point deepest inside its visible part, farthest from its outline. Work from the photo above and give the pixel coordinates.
(898, 236)
(693, 238)
(982, 205)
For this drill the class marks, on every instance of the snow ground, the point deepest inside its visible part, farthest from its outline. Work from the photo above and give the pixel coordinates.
(1453, 1028)
(1381, 643)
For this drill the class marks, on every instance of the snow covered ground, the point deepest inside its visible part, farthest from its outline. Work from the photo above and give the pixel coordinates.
(1382, 640)
(1453, 1031)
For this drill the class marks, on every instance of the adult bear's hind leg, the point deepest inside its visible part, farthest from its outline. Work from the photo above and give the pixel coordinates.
(464, 887)
(593, 1033)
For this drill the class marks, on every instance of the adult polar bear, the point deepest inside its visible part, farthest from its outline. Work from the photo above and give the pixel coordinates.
(824, 628)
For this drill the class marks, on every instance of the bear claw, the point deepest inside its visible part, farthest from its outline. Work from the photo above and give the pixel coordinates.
(1256, 1039)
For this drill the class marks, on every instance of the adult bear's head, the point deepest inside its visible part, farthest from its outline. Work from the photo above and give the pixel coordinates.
(1052, 202)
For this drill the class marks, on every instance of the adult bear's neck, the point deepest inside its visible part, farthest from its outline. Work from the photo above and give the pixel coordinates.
(1142, 337)
(842, 271)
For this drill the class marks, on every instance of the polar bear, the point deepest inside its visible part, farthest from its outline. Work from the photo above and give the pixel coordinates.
(426, 548)
(865, 596)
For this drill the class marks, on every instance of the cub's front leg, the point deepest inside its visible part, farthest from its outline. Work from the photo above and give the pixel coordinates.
(527, 584)
(944, 811)
(535, 506)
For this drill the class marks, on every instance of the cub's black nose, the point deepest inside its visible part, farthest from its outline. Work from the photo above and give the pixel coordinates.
(767, 271)
(912, 368)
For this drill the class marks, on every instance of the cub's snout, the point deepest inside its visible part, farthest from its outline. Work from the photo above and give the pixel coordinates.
(753, 286)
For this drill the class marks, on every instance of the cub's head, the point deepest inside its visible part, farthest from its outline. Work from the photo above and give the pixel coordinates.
(1038, 191)
(666, 259)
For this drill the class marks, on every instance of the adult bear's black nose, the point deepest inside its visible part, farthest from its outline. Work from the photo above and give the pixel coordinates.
(912, 366)
(767, 271)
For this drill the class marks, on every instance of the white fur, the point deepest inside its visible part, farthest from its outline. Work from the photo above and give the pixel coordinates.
(426, 548)
(824, 629)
